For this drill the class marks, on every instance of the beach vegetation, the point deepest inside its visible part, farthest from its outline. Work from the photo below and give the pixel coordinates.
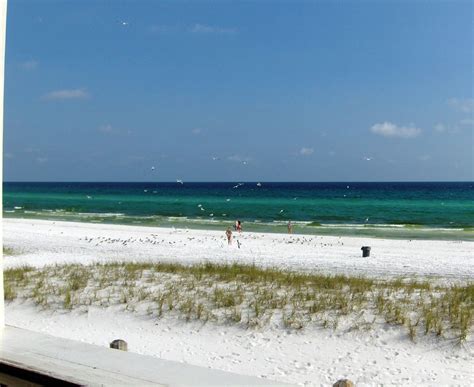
(9, 251)
(251, 296)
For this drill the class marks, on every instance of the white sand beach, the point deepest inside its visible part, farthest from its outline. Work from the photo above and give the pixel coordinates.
(48, 242)
(310, 356)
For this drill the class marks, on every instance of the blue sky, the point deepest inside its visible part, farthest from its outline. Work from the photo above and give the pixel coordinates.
(227, 91)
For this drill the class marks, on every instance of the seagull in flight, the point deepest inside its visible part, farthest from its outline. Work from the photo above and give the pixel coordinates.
(368, 158)
(179, 181)
(215, 158)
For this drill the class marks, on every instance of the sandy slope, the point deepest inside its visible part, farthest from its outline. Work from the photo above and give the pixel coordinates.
(313, 356)
(310, 357)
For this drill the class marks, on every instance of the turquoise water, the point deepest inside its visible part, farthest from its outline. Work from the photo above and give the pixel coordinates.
(389, 210)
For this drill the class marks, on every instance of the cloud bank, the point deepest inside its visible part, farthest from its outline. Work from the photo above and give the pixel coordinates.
(387, 129)
(29, 65)
(306, 151)
(207, 29)
(463, 105)
(66, 94)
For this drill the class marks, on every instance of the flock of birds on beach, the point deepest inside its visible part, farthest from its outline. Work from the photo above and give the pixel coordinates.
(155, 239)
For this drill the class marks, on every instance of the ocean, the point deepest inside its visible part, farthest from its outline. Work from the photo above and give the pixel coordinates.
(387, 210)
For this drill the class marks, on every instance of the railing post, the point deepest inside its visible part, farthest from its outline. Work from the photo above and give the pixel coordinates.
(3, 33)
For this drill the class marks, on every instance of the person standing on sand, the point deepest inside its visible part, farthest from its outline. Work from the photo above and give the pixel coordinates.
(290, 227)
(239, 226)
(228, 233)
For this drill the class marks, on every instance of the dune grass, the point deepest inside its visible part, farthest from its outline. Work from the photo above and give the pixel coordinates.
(250, 296)
(8, 251)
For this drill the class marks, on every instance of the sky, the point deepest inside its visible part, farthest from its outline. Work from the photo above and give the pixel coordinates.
(239, 91)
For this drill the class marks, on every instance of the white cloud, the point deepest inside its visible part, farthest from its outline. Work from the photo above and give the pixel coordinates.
(239, 159)
(66, 94)
(387, 129)
(197, 28)
(467, 122)
(196, 131)
(29, 65)
(106, 128)
(8, 155)
(41, 160)
(424, 157)
(465, 105)
(207, 29)
(306, 151)
(443, 128)
(31, 150)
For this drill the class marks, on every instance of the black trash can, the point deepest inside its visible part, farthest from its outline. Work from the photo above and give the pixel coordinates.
(365, 251)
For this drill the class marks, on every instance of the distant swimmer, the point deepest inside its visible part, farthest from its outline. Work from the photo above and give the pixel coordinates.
(228, 234)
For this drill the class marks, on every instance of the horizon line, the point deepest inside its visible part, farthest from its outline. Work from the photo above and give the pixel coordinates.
(238, 181)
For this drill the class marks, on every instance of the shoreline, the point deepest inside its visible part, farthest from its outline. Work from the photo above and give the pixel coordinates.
(366, 230)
